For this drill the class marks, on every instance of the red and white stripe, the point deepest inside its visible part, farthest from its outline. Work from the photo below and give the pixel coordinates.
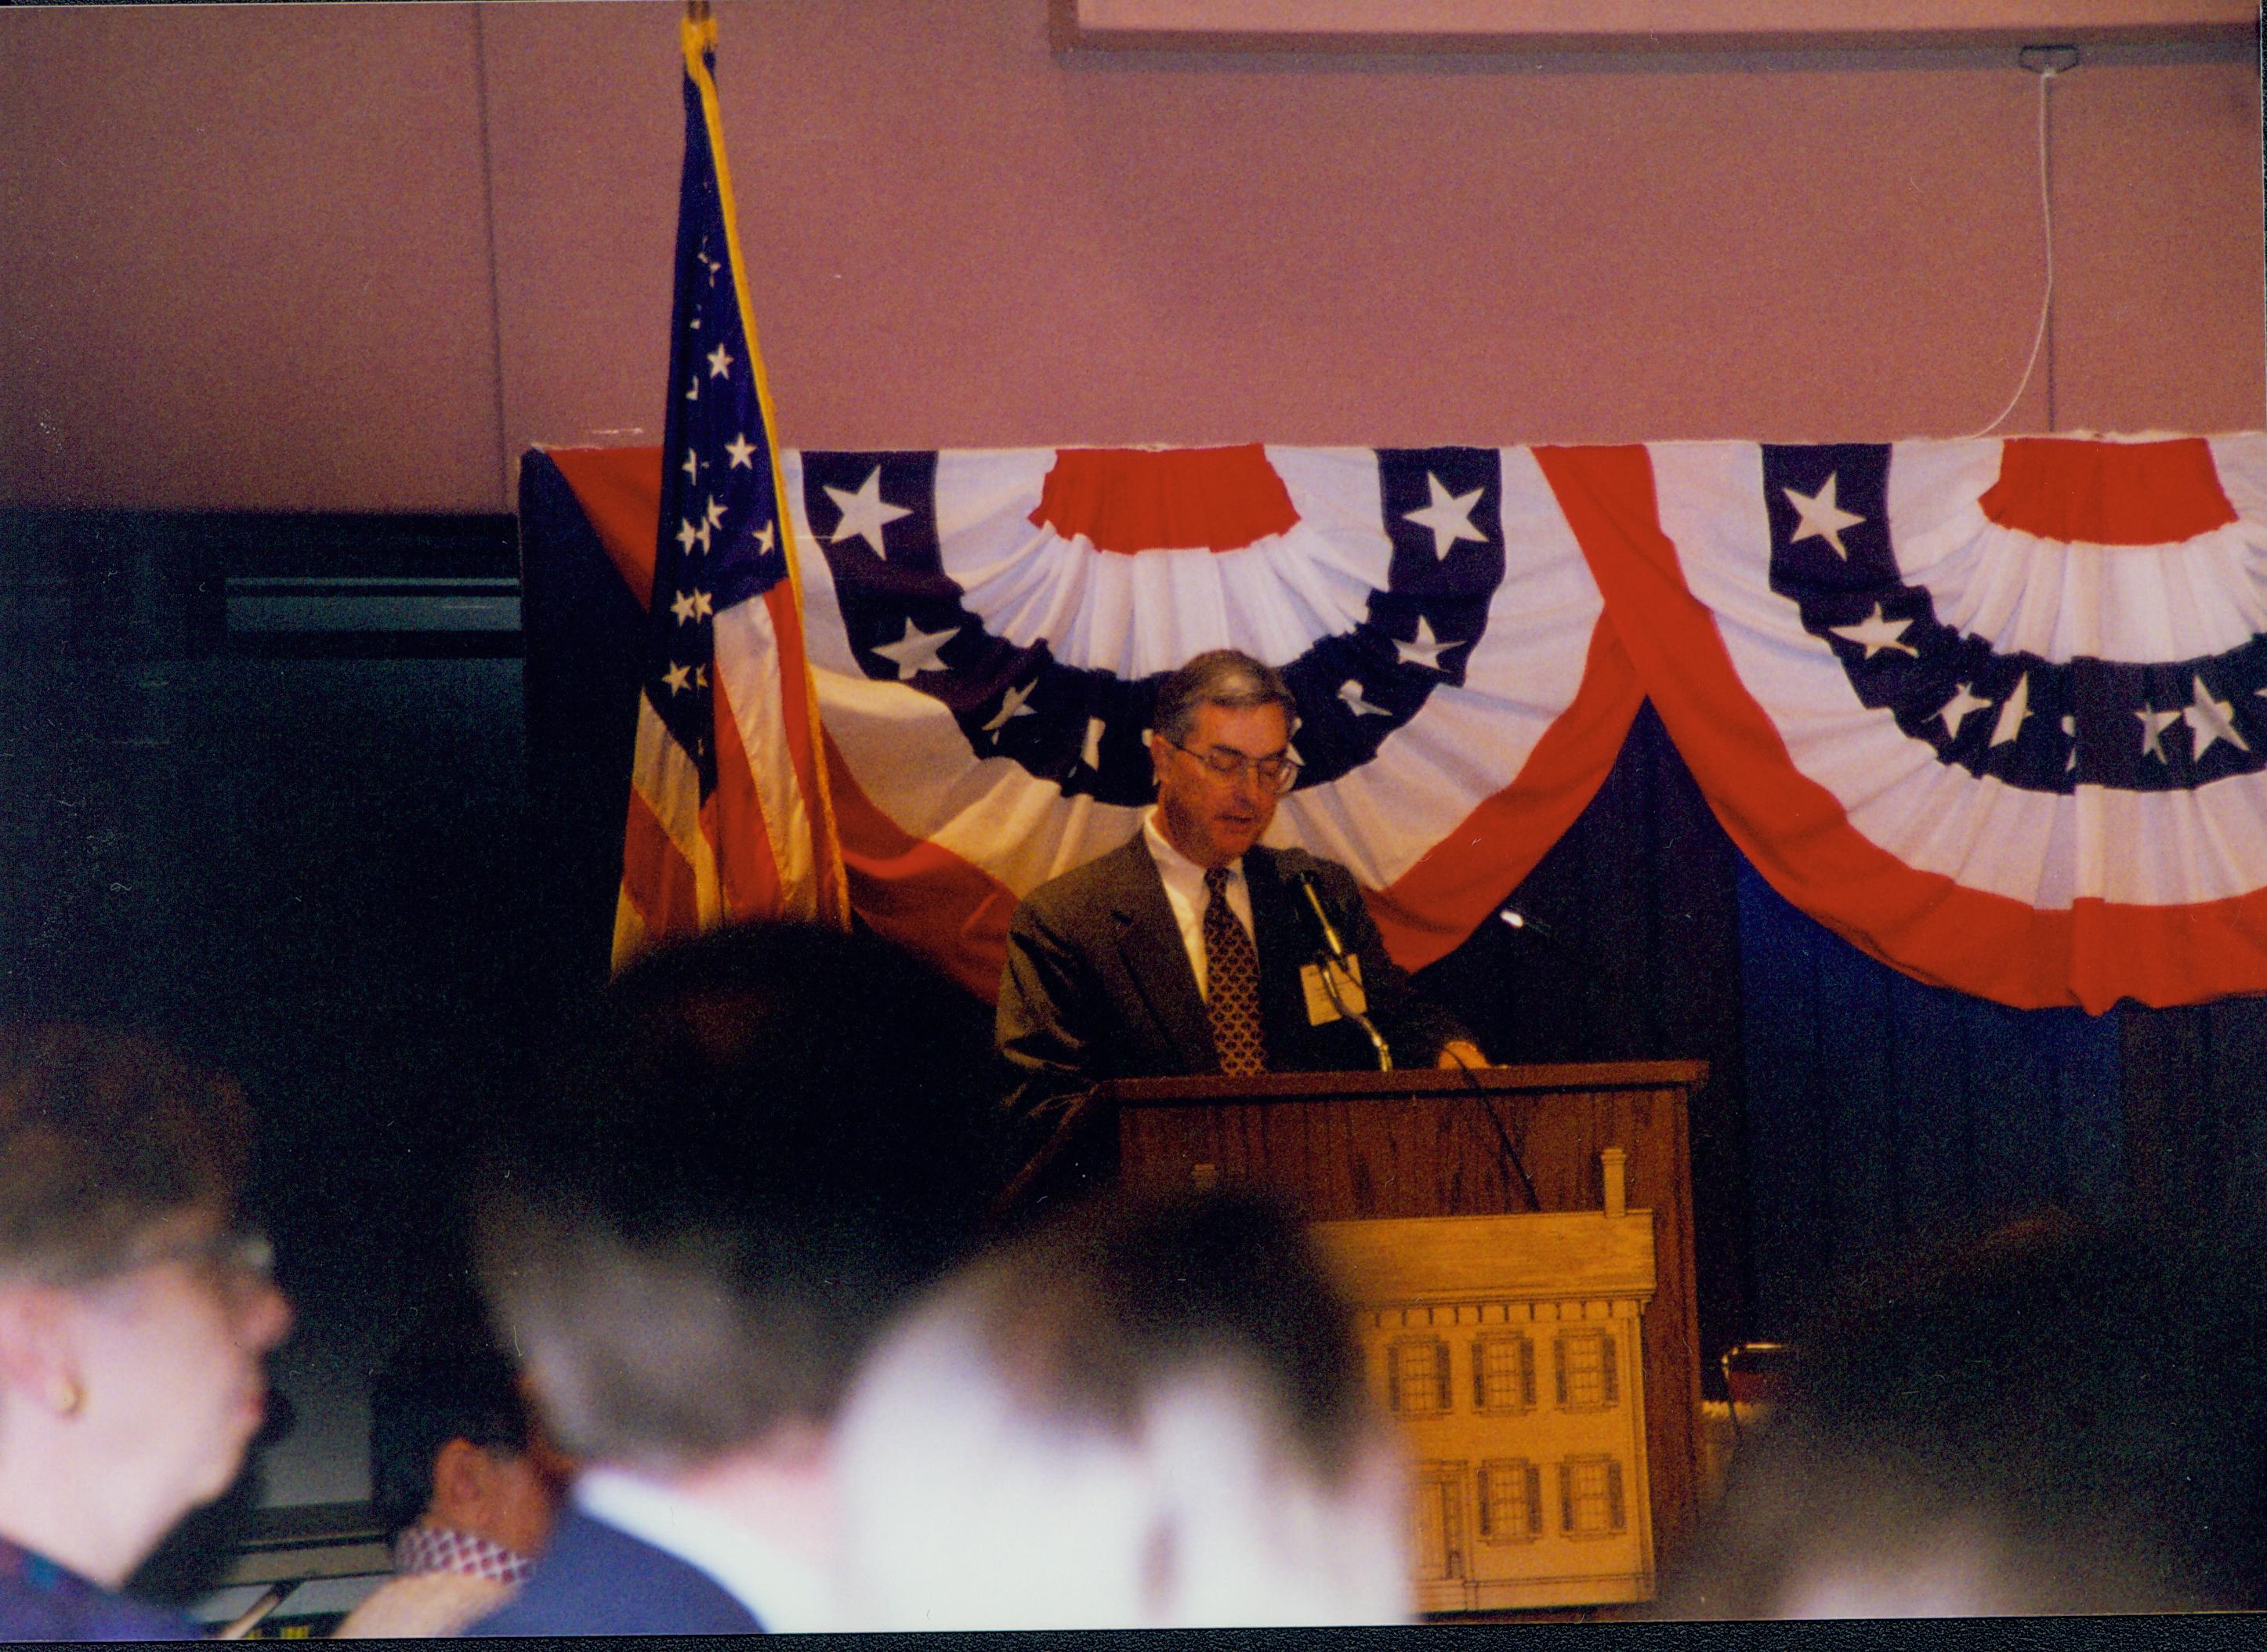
(2027, 897)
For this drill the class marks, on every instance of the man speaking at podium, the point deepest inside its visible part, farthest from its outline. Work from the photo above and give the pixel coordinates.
(1189, 948)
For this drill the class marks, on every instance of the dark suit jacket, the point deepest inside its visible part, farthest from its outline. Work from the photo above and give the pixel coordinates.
(596, 1579)
(1098, 984)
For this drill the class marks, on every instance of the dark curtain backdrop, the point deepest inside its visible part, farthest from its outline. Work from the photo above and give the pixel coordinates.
(585, 634)
(1883, 1113)
(2195, 1095)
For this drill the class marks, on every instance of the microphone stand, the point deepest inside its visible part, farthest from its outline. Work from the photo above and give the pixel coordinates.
(1338, 961)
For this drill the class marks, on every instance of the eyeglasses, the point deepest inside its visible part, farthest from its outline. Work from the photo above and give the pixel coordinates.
(234, 1259)
(1275, 772)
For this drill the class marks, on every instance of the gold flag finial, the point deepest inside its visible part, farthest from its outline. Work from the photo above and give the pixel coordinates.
(699, 28)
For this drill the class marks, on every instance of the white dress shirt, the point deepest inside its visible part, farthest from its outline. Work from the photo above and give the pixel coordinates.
(1187, 894)
(785, 1593)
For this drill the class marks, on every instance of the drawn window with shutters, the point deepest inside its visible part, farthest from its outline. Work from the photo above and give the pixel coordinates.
(1591, 1497)
(1511, 1501)
(1417, 1376)
(1583, 1369)
(1503, 1372)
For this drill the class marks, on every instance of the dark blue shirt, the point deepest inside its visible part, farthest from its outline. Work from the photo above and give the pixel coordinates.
(596, 1579)
(43, 1601)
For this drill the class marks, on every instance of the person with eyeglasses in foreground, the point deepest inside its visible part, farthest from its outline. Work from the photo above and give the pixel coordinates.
(1192, 949)
(135, 1314)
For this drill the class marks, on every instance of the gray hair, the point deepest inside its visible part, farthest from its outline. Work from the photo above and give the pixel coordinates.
(757, 1144)
(1225, 677)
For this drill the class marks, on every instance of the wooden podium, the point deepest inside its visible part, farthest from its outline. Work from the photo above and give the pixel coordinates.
(1422, 1142)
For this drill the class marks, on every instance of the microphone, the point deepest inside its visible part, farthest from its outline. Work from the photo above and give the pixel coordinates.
(1516, 919)
(1303, 880)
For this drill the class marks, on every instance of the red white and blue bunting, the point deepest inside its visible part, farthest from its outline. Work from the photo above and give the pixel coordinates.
(989, 629)
(1995, 711)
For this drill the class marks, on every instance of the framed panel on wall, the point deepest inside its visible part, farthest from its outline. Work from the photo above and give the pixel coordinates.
(1593, 25)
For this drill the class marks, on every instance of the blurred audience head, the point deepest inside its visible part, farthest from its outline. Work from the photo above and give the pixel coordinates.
(759, 1143)
(2061, 1417)
(450, 1447)
(1145, 1413)
(135, 1308)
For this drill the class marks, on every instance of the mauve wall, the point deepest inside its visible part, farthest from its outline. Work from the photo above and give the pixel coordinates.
(357, 257)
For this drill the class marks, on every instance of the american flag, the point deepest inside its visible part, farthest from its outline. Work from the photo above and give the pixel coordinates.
(729, 815)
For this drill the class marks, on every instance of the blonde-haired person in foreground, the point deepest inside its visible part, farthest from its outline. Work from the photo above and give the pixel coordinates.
(1145, 1415)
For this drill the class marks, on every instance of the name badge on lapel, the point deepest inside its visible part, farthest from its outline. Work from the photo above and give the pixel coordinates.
(1346, 978)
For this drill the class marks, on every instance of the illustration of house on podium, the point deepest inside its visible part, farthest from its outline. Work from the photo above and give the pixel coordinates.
(1507, 1348)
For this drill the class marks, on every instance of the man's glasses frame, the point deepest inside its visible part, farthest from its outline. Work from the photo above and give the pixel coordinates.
(1277, 772)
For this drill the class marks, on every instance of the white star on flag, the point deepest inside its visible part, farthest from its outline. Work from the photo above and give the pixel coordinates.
(1091, 752)
(688, 536)
(1875, 633)
(702, 607)
(2069, 732)
(1011, 707)
(763, 539)
(693, 390)
(1957, 709)
(2212, 720)
(2012, 714)
(916, 650)
(1451, 520)
(678, 678)
(1822, 518)
(1350, 691)
(2153, 724)
(743, 451)
(692, 465)
(715, 513)
(681, 605)
(865, 513)
(1427, 650)
(720, 362)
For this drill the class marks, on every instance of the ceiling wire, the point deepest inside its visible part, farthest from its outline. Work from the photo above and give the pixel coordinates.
(2045, 61)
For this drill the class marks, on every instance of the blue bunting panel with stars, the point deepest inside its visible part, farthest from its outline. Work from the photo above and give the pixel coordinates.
(2028, 721)
(1085, 729)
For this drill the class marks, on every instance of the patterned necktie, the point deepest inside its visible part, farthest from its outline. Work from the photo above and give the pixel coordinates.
(1232, 980)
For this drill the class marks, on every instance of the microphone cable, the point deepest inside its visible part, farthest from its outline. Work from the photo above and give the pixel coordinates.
(1489, 1101)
